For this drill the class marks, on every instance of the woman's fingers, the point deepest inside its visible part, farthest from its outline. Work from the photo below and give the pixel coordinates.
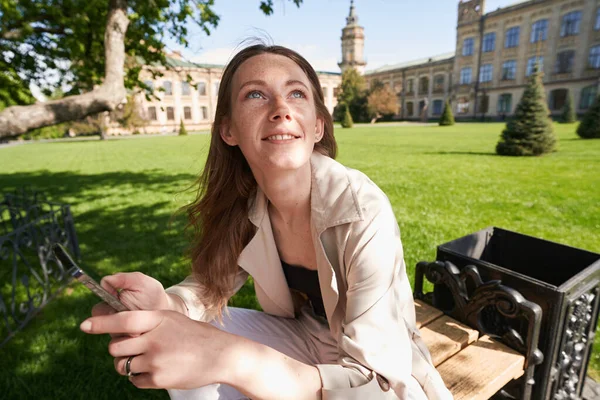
(102, 309)
(122, 280)
(125, 346)
(138, 365)
(126, 322)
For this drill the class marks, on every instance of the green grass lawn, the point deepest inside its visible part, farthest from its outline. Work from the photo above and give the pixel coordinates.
(443, 183)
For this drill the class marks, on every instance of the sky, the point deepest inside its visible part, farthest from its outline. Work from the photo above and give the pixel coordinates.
(395, 30)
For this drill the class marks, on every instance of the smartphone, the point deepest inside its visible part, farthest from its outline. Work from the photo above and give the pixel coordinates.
(72, 269)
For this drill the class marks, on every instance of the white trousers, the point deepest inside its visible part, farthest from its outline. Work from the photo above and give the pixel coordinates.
(306, 339)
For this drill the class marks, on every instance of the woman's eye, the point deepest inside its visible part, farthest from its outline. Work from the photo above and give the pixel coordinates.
(254, 95)
(297, 94)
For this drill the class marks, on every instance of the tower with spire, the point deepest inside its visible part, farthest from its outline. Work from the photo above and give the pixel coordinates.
(353, 43)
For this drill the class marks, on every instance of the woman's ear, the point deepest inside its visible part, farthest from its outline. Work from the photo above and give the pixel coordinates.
(226, 135)
(319, 129)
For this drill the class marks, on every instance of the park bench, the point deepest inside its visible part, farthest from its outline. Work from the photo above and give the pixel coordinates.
(473, 366)
(485, 341)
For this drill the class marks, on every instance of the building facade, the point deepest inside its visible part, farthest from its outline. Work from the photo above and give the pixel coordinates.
(495, 53)
(194, 104)
(353, 43)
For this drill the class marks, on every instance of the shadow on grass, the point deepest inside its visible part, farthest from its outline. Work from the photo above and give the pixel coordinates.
(469, 153)
(120, 228)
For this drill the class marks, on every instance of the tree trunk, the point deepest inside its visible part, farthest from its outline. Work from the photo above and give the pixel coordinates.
(17, 120)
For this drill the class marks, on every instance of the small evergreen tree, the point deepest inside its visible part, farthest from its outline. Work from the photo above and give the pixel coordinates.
(589, 128)
(568, 115)
(182, 130)
(447, 118)
(530, 132)
(347, 121)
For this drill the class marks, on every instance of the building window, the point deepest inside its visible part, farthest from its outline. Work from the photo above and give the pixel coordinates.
(424, 85)
(512, 37)
(149, 86)
(204, 111)
(421, 107)
(570, 24)
(558, 98)
(489, 42)
(505, 103)
(564, 62)
(170, 114)
(539, 31)
(465, 76)
(216, 88)
(185, 88)
(410, 86)
(462, 106)
(202, 88)
(594, 58)
(437, 107)
(588, 96)
(168, 87)
(152, 113)
(509, 70)
(409, 109)
(486, 72)
(468, 45)
(187, 112)
(532, 62)
(597, 24)
(438, 83)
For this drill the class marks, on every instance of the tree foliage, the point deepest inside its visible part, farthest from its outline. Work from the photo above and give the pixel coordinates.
(568, 115)
(347, 119)
(381, 101)
(530, 132)
(64, 43)
(182, 129)
(447, 117)
(352, 93)
(589, 128)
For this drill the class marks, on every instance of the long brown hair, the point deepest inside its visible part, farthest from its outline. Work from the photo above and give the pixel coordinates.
(218, 217)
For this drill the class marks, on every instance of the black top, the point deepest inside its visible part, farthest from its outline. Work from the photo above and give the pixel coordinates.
(305, 281)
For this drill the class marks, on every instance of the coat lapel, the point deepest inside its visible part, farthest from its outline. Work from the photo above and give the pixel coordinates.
(260, 259)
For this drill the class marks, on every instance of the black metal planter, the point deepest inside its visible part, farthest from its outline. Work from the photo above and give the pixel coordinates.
(562, 280)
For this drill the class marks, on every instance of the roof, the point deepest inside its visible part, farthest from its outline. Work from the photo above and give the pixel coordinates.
(177, 63)
(515, 5)
(414, 63)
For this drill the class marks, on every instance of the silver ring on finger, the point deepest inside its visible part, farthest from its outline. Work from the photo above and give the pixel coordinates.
(128, 367)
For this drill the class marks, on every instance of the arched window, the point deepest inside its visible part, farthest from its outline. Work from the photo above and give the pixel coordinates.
(424, 85)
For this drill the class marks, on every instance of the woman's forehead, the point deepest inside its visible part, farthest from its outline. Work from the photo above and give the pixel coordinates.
(267, 67)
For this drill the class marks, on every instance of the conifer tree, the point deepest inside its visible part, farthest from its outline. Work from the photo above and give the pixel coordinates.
(347, 121)
(589, 128)
(447, 118)
(530, 132)
(568, 115)
(182, 130)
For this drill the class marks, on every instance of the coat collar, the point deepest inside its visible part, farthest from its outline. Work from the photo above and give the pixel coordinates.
(332, 199)
(333, 202)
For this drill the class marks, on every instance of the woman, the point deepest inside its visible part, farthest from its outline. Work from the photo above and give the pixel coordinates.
(321, 242)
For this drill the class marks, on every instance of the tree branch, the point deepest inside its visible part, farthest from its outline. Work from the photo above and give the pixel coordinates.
(17, 34)
(17, 120)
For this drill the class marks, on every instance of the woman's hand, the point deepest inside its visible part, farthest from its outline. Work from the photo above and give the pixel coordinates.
(171, 350)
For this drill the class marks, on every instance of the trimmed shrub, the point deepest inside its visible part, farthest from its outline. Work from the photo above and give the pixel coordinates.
(182, 130)
(530, 132)
(589, 128)
(447, 117)
(347, 121)
(568, 115)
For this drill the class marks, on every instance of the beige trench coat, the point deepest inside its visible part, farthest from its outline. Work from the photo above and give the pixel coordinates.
(367, 297)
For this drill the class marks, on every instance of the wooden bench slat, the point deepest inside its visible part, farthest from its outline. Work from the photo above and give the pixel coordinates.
(425, 313)
(480, 370)
(445, 337)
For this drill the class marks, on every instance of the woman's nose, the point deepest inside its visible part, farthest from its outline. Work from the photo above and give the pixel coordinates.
(281, 110)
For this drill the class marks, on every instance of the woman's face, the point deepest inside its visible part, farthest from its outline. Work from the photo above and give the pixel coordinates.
(273, 116)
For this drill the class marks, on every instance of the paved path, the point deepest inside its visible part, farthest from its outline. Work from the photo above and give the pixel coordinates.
(591, 390)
